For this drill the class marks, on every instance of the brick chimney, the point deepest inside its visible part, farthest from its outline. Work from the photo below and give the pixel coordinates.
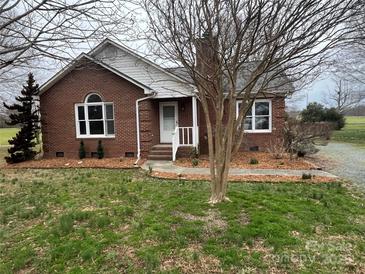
(206, 56)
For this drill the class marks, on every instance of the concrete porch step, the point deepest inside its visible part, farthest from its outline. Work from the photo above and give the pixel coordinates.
(161, 152)
(162, 147)
(160, 157)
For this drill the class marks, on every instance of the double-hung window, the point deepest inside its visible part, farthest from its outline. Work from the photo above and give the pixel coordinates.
(259, 117)
(94, 118)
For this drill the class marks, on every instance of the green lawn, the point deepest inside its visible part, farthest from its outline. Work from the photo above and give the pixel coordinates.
(353, 132)
(3, 153)
(6, 134)
(109, 221)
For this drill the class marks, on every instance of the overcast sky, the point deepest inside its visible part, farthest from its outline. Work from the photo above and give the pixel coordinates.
(312, 93)
(315, 92)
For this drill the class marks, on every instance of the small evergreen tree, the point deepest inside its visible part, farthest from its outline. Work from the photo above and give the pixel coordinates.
(100, 150)
(82, 151)
(25, 114)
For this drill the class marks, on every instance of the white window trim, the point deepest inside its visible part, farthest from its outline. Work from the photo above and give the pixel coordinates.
(254, 115)
(88, 135)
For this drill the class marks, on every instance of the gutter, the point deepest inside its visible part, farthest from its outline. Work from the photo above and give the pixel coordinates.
(137, 123)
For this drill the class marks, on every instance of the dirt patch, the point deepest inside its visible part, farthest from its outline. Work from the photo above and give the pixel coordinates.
(89, 208)
(123, 254)
(191, 260)
(26, 270)
(212, 220)
(112, 163)
(243, 218)
(258, 246)
(8, 188)
(265, 161)
(245, 178)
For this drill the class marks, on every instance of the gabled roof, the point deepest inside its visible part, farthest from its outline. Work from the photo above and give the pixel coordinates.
(59, 75)
(177, 75)
(108, 41)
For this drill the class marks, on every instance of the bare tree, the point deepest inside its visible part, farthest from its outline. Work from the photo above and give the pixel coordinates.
(237, 49)
(349, 62)
(34, 30)
(344, 96)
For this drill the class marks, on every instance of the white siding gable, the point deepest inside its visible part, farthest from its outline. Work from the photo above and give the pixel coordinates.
(139, 69)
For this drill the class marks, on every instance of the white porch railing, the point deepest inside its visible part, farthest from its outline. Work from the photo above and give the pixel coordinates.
(184, 136)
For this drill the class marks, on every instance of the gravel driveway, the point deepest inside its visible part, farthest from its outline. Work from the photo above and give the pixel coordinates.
(344, 160)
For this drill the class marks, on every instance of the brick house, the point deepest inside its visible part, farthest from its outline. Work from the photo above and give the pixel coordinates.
(137, 108)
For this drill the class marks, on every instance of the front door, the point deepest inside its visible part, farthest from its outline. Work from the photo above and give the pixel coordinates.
(168, 121)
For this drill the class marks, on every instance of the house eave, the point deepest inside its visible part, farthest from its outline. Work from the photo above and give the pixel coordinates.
(60, 74)
(107, 41)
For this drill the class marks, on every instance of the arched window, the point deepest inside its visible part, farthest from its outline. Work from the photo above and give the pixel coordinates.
(94, 118)
(93, 98)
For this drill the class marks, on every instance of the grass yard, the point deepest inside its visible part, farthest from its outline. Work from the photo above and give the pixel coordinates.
(6, 134)
(3, 153)
(114, 221)
(353, 132)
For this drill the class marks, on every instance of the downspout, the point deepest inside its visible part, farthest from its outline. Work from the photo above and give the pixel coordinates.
(137, 122)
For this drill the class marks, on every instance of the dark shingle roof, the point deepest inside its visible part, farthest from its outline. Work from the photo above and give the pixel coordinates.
(280, 84)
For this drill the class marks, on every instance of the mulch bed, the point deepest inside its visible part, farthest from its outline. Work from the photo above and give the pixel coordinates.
(265, 161)
(245, 178)
(109, 163)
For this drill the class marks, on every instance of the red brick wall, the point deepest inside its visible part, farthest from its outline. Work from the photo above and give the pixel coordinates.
(149, 125)
(262, 140)
(58, 114)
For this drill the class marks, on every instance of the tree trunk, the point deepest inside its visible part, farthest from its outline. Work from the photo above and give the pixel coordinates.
(220, 151)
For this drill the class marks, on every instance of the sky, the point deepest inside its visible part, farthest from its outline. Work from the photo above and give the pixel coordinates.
(315, 92)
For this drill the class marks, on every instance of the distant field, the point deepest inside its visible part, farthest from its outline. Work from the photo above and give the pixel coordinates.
(6, 134)
(353, 132)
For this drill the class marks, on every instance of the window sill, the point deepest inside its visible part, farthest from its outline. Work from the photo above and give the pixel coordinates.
(257, 131)
(95, 137)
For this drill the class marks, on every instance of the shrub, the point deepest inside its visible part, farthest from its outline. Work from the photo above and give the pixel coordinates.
(305, 148)
(253, 161)
(100, 150)
(315, 112)
(307, 176)
(194, 162)
(301, 137)
(333, 116)
(194, 153)
(82, 151)
(277, 148)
